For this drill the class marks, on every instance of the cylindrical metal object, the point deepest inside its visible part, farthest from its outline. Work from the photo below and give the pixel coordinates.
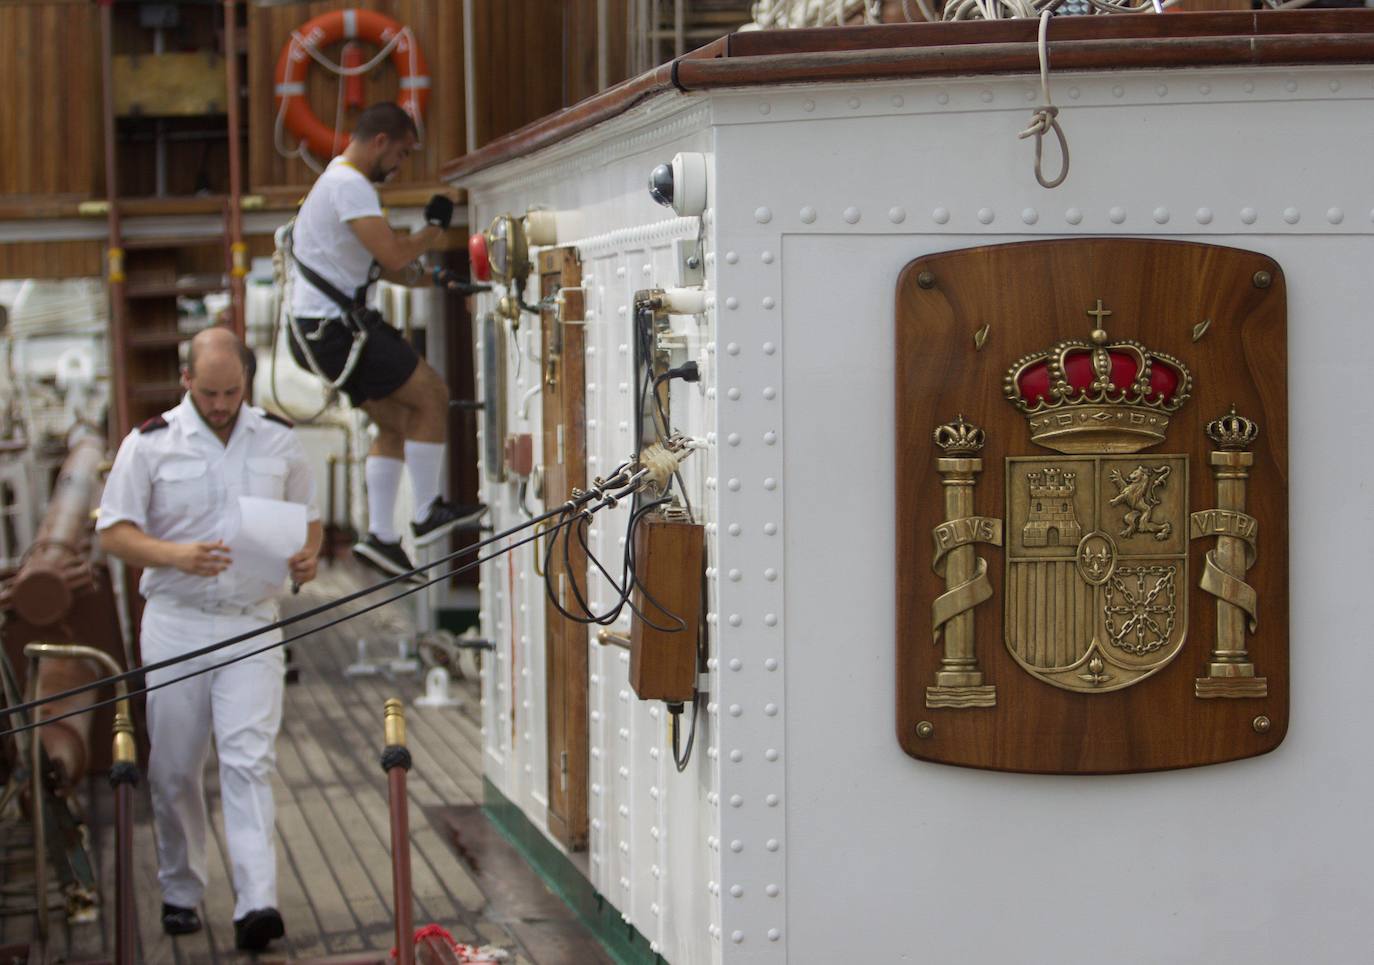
(1229, 656)
(55, 564)
(126, 934)
(959, 666)
(396, 761)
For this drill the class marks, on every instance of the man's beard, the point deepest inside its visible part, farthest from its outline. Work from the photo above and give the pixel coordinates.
(225, 420)
(378, 175)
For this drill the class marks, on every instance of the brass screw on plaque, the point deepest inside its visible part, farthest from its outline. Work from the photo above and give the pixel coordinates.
(1262, 279)
(926, 279)
(925, 729)
(1261, 724)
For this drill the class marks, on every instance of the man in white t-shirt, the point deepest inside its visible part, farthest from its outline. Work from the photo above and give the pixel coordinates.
(339, 235)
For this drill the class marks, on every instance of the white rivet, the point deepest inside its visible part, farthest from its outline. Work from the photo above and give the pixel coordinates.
(737, 846)
(897, 100)
(767, 257)
(737, 755)
(1292, 215)
(770, 484)
(769, 348)
(896, 215)
(731, 257)
(807, 215)
(1249, 215)
(620, 272)
(711, 392)
(769, 392)
(736, 890)
(771, 754)
(735, 619)
(772, 844)
(1074, 93)
(736, 710)
(733, 485)
(736, 576)
(1118, 90)
(768, 301)
(765, 107)
(1161, 215)
(1248, 86)
(1291, 86)
(1334, 86)
(1028, 94)
(1030, 216)
(736, 664)
(771, 663)
(763, 215)
(655, 947)
(985, 96)
(940, 215)
(1073, 216)
(732, 439)
(736, 801)
(770, 574)
(1204, 215)
(770, 437)
(770, 619)
(985, 215)
(732, 303)
(942, 98)
(771, 800)
(1161, 89)
(1204, 89)
(770, 529)
(647, 270)
(854, 103)
(737, 937)
(770, 710)
(732, 348)
(808, 105)
(733, 529)
(1335, 215)
(852, 215)
(1116, 215)
(774, 934)
(712, 663)
(733, 394)
(771, 890)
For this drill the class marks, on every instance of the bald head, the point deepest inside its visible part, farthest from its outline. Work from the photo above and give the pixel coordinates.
(218, 366)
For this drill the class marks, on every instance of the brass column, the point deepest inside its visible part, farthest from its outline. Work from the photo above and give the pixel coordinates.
(959, 681)
(1230, 672)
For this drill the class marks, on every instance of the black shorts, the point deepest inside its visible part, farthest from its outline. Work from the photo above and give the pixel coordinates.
(386, 363)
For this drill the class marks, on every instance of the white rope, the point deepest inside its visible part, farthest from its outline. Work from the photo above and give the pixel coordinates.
(1046, 117)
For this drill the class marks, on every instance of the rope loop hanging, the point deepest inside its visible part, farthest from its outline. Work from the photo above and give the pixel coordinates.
(1046, 117)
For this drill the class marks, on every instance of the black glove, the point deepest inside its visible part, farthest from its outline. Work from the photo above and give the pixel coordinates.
(445, 278)
(439, 211)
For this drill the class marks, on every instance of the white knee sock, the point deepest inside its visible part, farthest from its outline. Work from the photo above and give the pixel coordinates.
(383, 483)
(425, 460)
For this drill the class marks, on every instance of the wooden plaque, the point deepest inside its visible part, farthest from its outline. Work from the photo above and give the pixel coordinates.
(1092, 506)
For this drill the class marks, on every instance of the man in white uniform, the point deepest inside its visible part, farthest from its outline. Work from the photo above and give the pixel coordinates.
(339, 234)
(172, 492)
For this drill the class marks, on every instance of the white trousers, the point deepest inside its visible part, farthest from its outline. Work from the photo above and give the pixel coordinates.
(240, 707)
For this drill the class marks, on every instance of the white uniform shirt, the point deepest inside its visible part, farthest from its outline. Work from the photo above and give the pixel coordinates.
(182, 484)
(324, 241)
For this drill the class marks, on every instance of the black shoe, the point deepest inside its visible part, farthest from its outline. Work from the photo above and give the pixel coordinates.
(179, 921)
(389, 558)
(444, 517)
(254, 930)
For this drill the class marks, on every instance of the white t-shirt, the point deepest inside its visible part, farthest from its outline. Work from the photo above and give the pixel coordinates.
(324, 241)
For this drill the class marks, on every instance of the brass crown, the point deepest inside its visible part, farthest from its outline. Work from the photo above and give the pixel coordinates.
(959, 438)
(1233, 431)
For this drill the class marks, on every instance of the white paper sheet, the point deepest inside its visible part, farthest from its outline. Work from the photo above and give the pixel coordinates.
(268, 533)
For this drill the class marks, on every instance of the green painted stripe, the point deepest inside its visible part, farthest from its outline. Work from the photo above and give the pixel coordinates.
(623, 941)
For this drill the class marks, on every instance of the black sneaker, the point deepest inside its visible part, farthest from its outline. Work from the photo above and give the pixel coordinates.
(179, 921)
(444, 517)
(254, 930)
(387, 558)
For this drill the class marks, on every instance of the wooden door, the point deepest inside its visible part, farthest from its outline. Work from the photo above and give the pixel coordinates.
(565, 468)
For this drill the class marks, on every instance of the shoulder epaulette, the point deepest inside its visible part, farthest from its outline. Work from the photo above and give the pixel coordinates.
(153, 424)
(273, 417)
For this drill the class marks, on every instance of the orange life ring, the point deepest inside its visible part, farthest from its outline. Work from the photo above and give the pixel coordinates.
(330, 28)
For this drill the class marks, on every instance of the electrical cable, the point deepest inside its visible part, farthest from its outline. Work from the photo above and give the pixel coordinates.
(253, 653)
(577, 502)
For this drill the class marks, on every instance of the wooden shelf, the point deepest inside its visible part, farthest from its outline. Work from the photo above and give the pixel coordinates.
(186, 285)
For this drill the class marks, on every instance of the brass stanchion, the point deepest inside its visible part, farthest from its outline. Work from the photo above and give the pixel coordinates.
(124, 778)
(396, 761)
